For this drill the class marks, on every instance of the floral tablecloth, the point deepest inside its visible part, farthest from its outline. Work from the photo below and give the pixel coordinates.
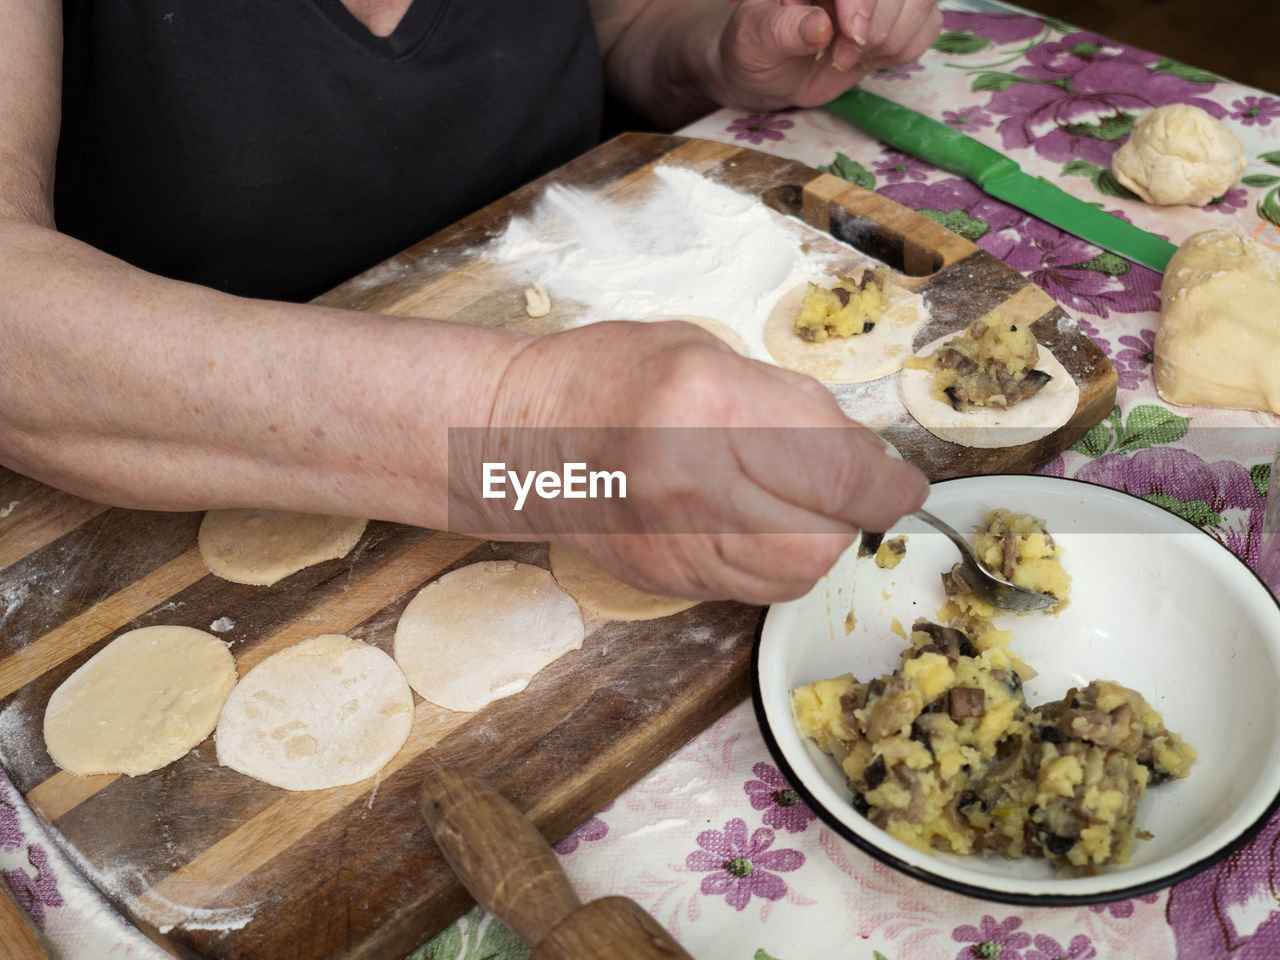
(714, 843)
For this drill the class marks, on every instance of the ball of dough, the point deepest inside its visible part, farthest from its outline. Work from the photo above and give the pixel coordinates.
(1179, 154)
(140, 702)
(1218, 343)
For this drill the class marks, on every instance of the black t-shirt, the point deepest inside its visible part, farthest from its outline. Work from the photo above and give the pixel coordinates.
(274, 148)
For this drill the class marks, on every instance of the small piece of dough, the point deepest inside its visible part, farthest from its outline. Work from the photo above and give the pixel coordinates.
(481, 632)
(603, 594)
(991, 427)
(1218, 343)
(855, 359)
(1179, 153)
(322, 713)
(714, 327)
(261, 547)
(140, 702)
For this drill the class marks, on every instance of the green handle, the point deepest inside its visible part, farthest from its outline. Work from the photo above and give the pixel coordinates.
(923, 137)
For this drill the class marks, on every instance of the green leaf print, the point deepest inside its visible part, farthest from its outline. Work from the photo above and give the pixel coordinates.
(877, 955)
(447, 945)
(1080, 168)
(1146, 425)
(1115, 127)
(850, 170)
(1101, 436)
(1186, 72)
(1105, 181)
(1260, 180)
(957, 221)
(994, 82)
(1269, 208)
(1105, 262)
(1260, 474)
(1272, 157)
(961, 42)
(1197, 511)
(474, 937)
(762, 955)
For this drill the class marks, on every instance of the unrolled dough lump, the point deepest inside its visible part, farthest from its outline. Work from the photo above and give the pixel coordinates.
(603, 594)
(1218, 343)
(1179, 154)
(322, 713)
(263, 546)
(140, 702)
(481, 632)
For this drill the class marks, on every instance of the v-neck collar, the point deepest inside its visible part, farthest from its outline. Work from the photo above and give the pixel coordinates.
(410, 32)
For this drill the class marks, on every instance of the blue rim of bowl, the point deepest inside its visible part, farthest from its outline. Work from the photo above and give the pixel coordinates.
(986, 893)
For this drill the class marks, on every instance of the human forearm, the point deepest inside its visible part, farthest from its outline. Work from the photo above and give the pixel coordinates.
(143, 392)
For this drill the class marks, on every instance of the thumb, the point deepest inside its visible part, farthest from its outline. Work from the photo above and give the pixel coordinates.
(770, 32)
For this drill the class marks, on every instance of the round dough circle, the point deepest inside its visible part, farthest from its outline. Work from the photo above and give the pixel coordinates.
(140, 702)
(856, 359)
(1179, 153)
(1218, 342)
(714, 327)
(322, 713)
(261, 547)
(598, 591)
(481, 632)
(991, 427)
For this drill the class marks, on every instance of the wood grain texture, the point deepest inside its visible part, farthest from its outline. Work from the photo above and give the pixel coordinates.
(215, 865)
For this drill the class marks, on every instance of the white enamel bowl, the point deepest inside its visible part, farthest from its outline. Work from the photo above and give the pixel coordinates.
(1156, 604)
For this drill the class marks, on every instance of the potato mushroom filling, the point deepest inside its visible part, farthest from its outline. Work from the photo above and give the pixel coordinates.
(944, 753)
(849, 308)
(990, 364)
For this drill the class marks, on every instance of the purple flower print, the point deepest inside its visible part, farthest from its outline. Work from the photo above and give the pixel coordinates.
(1133, 361)
(901, 71)
(991, 940)
(784, 810)
(967, 120)
(1122, 909)
(1229, 202)
(593, 829)
(1228, 910)
(759, 127)
(1075, 98)
(897, 167)
(1259, 110)
(740, 866)
(1047, 948)
(10, 831)
(1223, 494)
(997, 27)
(33, 894)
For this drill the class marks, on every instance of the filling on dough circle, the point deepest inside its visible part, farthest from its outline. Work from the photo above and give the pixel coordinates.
(140, 702)
(322, 713)
(481, 632)
(261, 547)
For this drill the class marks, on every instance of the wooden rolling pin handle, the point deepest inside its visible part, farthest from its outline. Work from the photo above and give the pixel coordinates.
(18, 939)
(498, 854)
(611, 928)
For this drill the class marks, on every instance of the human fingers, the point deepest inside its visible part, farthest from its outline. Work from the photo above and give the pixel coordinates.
(901, 32)
(768, 33)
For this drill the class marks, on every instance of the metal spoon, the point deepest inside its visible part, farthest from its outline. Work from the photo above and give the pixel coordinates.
(982, 583)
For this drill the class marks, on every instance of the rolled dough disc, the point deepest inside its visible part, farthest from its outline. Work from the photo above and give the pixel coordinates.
(856, 359)
(714, 327)
(481, 632)
(140, 702)
(991, 427)
(263, 546)
(603, 594)
(321, 713)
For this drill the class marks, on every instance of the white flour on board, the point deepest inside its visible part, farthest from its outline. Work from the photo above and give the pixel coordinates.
(692, 246)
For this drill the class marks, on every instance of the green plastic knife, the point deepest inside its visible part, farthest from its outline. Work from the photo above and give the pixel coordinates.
(913, 133)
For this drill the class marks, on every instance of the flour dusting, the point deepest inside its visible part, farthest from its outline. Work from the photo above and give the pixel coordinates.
(692, 246)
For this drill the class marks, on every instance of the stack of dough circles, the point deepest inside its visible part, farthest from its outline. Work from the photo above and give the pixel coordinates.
(855, 359)
(261, 547)
(991, 427)
(603, 594)
(481, 632)
(322, 713)
(140, 702)
(716, 328)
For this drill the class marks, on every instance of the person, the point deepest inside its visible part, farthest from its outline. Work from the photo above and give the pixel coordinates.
(152, 264)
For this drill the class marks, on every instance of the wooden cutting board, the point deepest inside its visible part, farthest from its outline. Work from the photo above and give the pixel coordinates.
(213, 864)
